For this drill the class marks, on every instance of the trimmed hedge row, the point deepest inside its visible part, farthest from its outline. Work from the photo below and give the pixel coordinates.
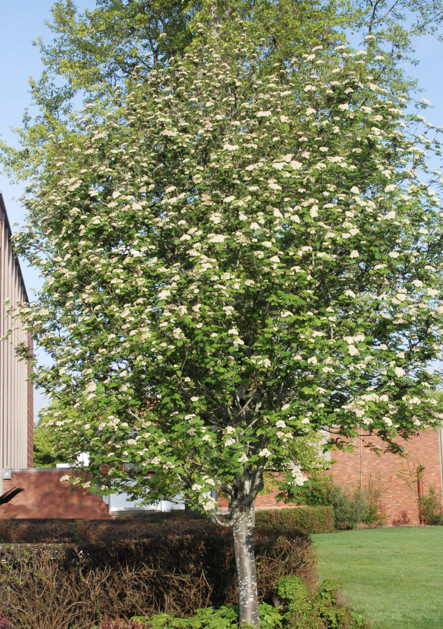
(307, 520)
(47, 531)
(178, 567)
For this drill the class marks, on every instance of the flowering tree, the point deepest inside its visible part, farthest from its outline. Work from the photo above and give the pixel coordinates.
(91, 51)
(232, 262)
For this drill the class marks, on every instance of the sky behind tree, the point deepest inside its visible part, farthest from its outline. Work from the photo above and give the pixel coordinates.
(21, 23)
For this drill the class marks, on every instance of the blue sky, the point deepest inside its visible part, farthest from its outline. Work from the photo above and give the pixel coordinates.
(22, 21)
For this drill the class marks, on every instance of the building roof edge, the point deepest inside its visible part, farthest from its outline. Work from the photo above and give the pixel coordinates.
(9, 233)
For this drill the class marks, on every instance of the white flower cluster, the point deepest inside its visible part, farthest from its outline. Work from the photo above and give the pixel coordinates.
(203, 309)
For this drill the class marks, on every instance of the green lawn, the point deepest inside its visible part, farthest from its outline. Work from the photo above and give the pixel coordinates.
(393, 576)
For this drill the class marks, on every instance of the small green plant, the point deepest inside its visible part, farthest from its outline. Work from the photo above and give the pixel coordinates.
(359, 621)
(270, 617)
(315, 610)
(294, 594)
(372, 492)
(329, 591)
(225, 617)
(431, 507)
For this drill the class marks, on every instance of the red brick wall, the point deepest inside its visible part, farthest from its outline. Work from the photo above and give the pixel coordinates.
(266, 499)
(46, 497)
(360, 466)
(353, 469)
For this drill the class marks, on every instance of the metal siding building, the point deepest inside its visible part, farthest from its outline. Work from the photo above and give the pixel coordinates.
(16, 392)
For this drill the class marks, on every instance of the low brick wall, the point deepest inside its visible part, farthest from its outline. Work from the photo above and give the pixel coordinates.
(44, 496)
(362, 465)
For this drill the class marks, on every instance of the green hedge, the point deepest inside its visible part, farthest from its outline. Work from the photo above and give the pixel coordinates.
(307, 520)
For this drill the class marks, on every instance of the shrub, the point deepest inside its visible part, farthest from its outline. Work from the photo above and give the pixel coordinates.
(298, 608)
(179, 567)
(5, 623)
(372, 493)
(317, 490)
(350, 506)
(318, 519)
(402, 520)
(304, 609)
(349, 509)
(295, 607)
(431, 507)
(52, 531)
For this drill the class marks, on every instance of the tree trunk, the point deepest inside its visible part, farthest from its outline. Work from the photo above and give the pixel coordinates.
(243, 531)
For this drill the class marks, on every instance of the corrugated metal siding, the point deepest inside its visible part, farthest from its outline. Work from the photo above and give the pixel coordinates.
(15, 414)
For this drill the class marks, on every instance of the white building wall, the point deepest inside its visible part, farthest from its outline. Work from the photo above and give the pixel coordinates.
(15, 414)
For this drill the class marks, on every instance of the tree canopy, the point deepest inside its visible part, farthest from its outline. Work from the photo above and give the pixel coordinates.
(235, 259)
(94, 50)
(46, 453)
(240, 237)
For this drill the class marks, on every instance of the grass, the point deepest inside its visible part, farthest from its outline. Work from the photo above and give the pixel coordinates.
(393, 576)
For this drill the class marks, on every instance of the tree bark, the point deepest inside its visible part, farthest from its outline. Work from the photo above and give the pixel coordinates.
(243, 531)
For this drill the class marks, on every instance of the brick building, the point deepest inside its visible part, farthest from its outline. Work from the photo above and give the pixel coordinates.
(44, 496)
(392, 474)
(16, 392)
